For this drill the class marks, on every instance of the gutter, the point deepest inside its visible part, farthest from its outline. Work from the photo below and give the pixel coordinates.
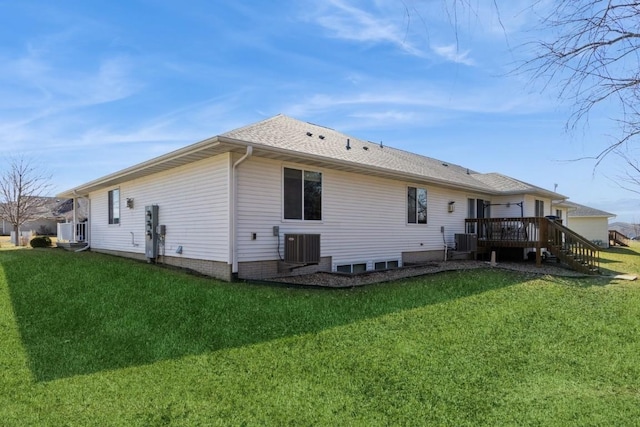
(233, 247)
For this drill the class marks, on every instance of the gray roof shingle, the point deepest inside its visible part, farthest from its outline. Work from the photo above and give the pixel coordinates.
(297, 140)
(578, 210)
(284, 132)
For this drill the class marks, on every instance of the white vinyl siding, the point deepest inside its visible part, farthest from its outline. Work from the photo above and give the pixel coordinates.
(501, 210)
(364, 218)
(591, 228)
(193, 204)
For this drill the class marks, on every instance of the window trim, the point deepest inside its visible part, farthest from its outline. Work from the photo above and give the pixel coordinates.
(111, 206)
(426, 193)
(302, 171)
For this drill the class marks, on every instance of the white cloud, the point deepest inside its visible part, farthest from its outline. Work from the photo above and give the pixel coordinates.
(345, 21)
(451, 53)
(402, 101)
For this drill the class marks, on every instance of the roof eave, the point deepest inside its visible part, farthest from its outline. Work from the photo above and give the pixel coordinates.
(345, 164)
(157, 164)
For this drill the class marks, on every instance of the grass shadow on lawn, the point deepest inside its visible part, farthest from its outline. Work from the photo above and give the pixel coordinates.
(85, 313)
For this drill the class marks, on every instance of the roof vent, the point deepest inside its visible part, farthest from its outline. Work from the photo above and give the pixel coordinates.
(321, 136)
(381, 146)
(348, 144)
(365, 148)
(445, 164)
(309, 134)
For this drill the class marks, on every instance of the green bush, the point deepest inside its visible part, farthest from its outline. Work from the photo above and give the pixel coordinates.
(40, 242)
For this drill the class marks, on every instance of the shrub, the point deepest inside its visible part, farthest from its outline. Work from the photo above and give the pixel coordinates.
(40, 242)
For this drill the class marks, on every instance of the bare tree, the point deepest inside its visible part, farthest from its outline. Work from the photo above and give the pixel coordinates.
(22, 188)
(592, 54)
(590, 51)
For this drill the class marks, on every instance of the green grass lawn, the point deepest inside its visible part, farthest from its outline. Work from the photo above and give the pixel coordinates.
(89, 339)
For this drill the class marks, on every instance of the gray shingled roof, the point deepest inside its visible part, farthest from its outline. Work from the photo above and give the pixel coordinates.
(285, 137)
(506, 184)
(578, 210)
(284, 132)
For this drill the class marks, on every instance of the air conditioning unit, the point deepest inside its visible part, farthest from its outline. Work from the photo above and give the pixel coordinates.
(466, 242)
(302, 248)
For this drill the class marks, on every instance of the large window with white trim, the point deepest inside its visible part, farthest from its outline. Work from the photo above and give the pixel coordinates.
(416, 205)
(302, 194)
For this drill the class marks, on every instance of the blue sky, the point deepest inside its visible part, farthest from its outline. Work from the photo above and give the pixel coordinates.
(92, 87)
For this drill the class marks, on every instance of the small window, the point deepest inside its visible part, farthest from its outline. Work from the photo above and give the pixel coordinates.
(539, 208)
(352, 268)
(302, 194)
(559, 213)
(344, 268)
(384, 265)
(114, 206)
(359, 268)
(416, 205)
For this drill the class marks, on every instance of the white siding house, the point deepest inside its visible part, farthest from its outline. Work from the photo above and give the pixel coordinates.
(227, 203)
(591, 223)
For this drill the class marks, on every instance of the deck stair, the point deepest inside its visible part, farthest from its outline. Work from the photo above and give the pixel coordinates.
(572, 249)
(617, 238)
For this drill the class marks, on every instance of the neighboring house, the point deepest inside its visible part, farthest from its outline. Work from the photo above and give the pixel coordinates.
(48, 217)
(591, 223)
(236, 204)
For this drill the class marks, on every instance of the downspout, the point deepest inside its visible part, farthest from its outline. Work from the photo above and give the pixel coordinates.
(233, 250)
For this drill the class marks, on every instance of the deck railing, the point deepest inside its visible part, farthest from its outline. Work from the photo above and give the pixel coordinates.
(573, 249)
(538, 233)
(516, 232)
(617, 238)
(72, 232)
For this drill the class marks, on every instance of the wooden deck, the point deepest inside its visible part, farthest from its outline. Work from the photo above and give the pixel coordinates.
(617, 238)
(537, 233)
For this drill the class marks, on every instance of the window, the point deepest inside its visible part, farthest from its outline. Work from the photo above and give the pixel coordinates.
(477, 208)
(114, 206)
(539, 208)
(416, 205)
(384, 265)
(302, 195)
(559, 213)
(352, 268)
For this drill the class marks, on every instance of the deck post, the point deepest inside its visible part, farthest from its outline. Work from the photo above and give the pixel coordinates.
(543, 232)
(74, 239)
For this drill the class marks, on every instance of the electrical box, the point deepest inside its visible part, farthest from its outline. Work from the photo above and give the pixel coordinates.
(161, 229)
(150, 232)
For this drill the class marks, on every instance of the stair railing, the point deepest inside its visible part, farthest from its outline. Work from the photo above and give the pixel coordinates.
(571, 248)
